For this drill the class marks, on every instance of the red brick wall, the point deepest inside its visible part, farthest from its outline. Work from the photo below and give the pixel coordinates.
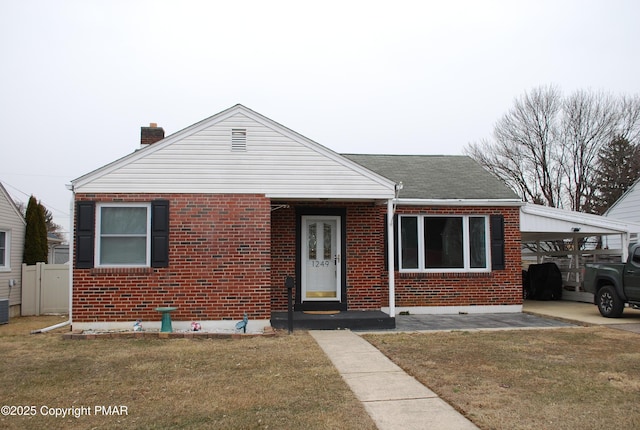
(283, 254)
(365, 256)
(230, 254)
(499, 287)
(367, 280)
(219, 264)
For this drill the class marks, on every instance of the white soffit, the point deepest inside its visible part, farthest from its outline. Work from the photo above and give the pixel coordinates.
(545, 223)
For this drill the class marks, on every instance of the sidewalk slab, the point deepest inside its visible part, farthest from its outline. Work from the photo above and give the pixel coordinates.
(350, 353)
(393, 399)
(417, 414)
(378, 386)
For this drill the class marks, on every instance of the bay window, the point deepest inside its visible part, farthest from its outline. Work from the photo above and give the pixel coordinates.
(444, 243)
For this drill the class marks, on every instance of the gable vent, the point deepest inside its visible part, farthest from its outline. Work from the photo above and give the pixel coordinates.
(238, 139)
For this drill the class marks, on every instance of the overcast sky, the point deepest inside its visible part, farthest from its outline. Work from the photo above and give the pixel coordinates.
(79, 78)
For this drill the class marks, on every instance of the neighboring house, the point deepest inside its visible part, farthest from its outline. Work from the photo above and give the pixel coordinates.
(12, 228)
(58, 250)
(626, 208)
(215, 217)
(59, 254)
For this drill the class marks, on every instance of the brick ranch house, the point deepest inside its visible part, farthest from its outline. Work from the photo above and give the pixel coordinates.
(214, 218)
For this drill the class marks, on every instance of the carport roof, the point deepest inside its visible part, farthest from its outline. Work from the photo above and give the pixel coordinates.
(544, 223)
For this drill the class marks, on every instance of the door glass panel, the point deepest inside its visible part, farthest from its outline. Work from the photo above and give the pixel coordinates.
(327, 241)
(312, 241)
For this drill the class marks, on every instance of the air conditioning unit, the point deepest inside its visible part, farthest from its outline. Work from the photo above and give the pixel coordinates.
(4, 311)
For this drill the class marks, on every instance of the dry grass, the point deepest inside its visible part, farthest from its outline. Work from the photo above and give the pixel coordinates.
(584, 378)
(282, 382)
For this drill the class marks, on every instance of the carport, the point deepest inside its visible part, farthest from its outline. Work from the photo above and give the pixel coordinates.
(540, 225)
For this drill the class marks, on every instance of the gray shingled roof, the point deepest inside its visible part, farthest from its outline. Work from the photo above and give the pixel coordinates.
(436, 176)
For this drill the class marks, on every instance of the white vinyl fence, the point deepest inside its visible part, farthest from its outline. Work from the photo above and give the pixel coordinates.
(45, 289)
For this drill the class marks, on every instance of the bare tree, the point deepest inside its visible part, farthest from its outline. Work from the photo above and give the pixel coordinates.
(546, 147)
(588, 123)
(629, 126)
(524, 151)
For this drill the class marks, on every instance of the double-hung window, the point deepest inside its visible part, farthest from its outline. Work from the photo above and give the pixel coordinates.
(124, 235)
(4, 251)
(444, 243)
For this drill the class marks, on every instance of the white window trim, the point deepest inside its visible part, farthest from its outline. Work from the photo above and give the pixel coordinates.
(465, 244)
(99, 233)
(7, 250)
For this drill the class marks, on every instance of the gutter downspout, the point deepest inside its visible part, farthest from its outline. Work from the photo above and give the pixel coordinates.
(624, 240)
(390, 260)
(391, 209)
(53, 327)
(71, 255)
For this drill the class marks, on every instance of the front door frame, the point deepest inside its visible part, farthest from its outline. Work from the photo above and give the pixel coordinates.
(320, 305)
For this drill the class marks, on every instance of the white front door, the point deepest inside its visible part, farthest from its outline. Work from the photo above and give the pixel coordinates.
(321, 268)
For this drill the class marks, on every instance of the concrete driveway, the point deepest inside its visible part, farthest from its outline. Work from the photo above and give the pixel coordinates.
(584, 313)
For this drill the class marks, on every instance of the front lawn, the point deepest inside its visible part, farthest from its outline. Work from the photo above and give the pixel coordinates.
(578, 378)
(251, 383)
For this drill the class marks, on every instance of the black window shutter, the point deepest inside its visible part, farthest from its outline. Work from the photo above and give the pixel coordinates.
(160, 233)
(497, 242)
(85, 234)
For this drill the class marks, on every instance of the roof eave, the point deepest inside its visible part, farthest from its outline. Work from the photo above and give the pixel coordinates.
(459, 202)
(12, 203)
(580, 218)
(621, 198)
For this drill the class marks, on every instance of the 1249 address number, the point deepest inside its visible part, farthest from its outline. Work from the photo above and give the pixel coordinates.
(320, 263)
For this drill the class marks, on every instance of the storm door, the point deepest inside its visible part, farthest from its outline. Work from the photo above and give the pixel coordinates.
(321, 260)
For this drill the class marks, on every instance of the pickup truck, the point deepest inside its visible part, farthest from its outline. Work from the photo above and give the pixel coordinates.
(614, 284)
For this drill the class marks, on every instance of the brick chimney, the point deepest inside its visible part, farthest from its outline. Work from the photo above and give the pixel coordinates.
(151, 134)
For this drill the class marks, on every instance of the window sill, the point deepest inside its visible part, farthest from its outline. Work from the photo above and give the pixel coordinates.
(121, 270)
(443, 275)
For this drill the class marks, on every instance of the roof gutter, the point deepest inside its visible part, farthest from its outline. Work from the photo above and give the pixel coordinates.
(459, 202)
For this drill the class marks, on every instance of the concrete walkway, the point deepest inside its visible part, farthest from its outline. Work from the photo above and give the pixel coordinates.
(392, 398)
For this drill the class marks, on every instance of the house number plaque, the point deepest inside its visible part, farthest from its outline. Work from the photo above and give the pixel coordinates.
(320, 263)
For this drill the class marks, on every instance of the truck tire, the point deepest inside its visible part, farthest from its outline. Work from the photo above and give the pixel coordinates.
(609, 304)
